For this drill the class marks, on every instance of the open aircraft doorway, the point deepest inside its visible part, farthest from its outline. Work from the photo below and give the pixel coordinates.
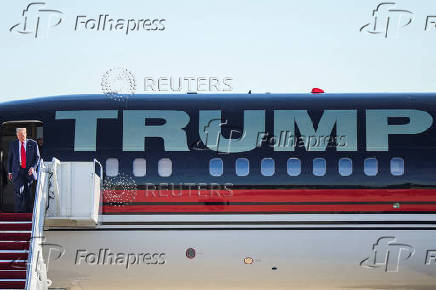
(7, 134)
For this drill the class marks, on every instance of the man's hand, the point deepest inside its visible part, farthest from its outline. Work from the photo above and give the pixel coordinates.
(30, 170)
(10, 176)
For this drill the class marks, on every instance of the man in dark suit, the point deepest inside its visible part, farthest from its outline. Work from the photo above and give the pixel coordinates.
(23, 159)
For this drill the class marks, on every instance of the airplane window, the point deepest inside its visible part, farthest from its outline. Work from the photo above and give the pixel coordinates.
(112, 167)
(294, 166)
(370, 166)
(345, 166)
(216, 167)
(319, 166)
(139, 167)
(165, 167)
(397, 166)
(267, 167)
(242, 167)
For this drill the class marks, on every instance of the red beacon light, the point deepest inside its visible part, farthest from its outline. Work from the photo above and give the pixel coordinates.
(317, 91)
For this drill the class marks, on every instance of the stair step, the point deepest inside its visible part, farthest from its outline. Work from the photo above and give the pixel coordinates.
(14, 245)
(12, 274)
(15, 216)
(13, 256)
(14, 236)
(12, 284)
(16, 226)
(13, 265)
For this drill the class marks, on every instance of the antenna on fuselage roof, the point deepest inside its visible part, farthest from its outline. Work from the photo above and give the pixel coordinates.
(317, 91)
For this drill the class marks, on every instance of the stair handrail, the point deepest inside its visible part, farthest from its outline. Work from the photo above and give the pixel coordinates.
(96, 162)
(55, 184)
(36, 277)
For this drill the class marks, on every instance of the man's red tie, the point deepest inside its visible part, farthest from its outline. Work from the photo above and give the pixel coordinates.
(23, 156)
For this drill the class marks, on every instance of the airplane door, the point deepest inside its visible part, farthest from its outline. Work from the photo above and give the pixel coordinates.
(7, 134)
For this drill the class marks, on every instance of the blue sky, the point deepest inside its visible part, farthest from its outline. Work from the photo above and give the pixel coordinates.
(264, 46)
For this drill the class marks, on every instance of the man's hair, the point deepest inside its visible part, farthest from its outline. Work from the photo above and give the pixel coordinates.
(19, 129)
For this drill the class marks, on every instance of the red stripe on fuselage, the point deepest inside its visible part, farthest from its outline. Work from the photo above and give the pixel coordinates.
(266, 208)
(382, 200)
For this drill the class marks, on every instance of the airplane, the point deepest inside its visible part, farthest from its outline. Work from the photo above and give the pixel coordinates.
(259, 191)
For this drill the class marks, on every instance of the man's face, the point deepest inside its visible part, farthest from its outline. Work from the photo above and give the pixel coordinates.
(21, 135)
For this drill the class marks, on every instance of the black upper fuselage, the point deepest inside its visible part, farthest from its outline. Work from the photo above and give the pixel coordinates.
(410, 138)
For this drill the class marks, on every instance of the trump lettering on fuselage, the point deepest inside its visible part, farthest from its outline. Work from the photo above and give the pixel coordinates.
(338, 123)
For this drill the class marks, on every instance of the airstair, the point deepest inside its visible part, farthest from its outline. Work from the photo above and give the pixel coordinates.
(14, 248)
(67, 195)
